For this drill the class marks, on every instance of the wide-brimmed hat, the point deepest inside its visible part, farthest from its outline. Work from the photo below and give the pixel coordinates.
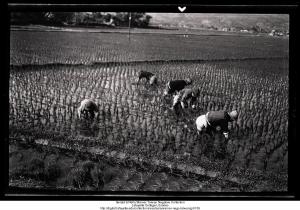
(189, 80)
(233, 115)
(153, 80)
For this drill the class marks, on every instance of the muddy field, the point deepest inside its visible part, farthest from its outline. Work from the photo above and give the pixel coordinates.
(136, 134)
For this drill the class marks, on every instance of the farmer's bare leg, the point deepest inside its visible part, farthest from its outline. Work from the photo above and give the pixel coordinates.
(177, 109)
(182, 104)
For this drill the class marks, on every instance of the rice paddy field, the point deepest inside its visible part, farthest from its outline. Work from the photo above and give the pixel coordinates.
(136, 143)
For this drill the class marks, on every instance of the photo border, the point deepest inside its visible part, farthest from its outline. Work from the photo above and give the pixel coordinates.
(33, 194)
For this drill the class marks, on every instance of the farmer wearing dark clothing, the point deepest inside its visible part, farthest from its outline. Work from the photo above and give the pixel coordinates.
(87, 109)
(176, 85)
(216, 120)
(150, 77)
(186, 97)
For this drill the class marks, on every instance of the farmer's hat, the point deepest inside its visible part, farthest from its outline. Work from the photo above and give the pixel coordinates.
(233, 115)
(189, 80)
(153, 79)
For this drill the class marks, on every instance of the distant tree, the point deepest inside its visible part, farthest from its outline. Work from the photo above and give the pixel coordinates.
(88, 19)
(60, 18)
(78, 18)
(255, 29)
(262, 27)
(107, 17)
(121, 19)
(81, 18)
(137, 19)
(140, 19)
(57, 18)
(98, 15)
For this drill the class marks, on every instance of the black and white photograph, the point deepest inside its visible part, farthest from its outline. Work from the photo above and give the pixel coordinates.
(148, 102)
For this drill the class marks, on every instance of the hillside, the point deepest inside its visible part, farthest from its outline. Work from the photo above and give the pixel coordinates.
(234, 22)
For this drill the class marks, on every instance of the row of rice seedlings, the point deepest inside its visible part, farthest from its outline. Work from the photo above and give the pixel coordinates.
(49, 98)
(85, 48)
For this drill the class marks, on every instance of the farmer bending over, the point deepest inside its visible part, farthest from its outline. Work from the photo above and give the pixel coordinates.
(216, 120)
(186, 97)
(150, 77)
(87, 109)
(174, 86)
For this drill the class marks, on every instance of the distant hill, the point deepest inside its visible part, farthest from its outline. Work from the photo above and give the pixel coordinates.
(218, 21)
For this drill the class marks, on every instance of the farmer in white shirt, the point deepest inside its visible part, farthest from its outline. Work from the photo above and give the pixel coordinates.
(216, 120)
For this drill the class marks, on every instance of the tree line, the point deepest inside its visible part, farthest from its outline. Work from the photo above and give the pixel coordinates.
(109, 19)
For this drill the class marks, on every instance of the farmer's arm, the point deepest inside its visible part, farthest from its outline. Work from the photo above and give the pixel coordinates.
(193, 99)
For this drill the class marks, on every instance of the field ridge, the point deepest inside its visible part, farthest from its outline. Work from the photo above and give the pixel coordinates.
(157, 61)
(184, 170)
(139, 31)
(114, 156)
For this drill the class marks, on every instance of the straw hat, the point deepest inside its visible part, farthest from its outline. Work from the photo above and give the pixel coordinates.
(233, 115)
(189, 80)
